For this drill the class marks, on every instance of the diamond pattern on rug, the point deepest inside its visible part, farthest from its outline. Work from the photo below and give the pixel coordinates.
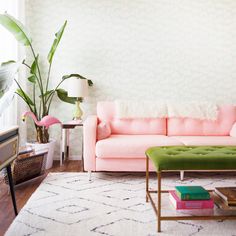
(112, 204)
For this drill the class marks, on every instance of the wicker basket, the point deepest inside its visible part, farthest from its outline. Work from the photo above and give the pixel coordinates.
(27, 167)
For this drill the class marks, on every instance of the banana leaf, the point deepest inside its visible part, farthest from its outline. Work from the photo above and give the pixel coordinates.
(90, 82)
(63, 96)
(33, 67)
(16, 28)
(56, 42)
(25, 97)
(32, 79)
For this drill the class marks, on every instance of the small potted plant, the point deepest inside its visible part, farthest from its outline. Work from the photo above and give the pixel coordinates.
(39, 102)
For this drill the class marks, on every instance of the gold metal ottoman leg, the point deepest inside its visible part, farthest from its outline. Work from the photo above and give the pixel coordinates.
(159, 201)
(147, 178)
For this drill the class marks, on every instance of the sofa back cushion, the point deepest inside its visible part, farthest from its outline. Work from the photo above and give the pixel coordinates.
(106, 111)
(196, 127)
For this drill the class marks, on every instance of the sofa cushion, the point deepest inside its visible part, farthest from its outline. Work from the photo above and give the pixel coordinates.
(206, 140)
(196, 127)
(131, 146)
(106, 111)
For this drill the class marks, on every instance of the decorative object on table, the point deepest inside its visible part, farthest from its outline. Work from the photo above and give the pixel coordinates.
(228, 194)
(77, 88)
(189, 204)
(66, 126)
(192, 193)
(40, 101)
(9, 139)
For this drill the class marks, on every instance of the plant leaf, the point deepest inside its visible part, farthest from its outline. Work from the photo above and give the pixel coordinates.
(73, 75)
(47, 93)
(90, 82)
(33, 67)
(16, 28)
(24, 96)
(32, 79)
(56, 42)
(63, 96)
(7, 62)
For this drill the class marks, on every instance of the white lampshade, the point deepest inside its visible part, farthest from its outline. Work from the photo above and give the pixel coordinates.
(77, 87)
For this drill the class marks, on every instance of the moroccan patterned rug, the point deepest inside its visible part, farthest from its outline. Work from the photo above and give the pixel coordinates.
(67, 204)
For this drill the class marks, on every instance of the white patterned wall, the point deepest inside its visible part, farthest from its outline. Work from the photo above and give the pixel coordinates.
(142, 49)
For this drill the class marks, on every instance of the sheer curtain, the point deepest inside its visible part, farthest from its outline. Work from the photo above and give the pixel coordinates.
(8, 51)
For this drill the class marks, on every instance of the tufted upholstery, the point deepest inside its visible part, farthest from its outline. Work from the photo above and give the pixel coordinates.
(196, 127)
(106, 111)
(193, 158)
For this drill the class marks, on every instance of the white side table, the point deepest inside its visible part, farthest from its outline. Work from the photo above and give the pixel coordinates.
(65, 143)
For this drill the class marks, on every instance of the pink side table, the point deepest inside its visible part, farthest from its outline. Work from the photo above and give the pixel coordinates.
(65, 143)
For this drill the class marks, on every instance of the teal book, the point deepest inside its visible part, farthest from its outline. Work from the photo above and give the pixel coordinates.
(192, 193)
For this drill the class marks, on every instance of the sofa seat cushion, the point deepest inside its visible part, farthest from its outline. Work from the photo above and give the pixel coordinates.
(206, 140)
(131, 146)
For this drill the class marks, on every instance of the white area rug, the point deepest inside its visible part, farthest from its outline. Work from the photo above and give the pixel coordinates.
(111, 204)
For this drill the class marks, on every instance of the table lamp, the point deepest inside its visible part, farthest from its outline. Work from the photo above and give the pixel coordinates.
(77, 88)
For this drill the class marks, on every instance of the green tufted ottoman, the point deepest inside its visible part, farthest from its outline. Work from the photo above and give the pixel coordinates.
(190, 158)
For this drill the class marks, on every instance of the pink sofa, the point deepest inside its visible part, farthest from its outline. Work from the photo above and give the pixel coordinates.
(124, 149)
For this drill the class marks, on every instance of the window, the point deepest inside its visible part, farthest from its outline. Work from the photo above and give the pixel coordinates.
(8, 51)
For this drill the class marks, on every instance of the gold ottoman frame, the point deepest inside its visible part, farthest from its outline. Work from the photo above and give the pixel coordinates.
(157, 208)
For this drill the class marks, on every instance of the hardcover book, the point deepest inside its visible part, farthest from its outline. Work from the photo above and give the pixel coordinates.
(190, 204)
(192, 193)
(228, 194)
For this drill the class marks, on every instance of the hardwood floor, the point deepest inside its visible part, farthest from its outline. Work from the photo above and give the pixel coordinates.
(24, 191)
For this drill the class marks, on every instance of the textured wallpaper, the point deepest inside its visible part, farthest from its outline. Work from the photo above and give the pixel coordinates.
(141, 50)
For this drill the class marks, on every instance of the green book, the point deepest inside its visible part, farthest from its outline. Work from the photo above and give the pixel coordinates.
(192, 193)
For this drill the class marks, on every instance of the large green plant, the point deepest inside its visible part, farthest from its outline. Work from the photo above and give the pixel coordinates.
(41, 99)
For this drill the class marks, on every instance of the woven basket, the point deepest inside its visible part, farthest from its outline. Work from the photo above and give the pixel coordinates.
(27, 167)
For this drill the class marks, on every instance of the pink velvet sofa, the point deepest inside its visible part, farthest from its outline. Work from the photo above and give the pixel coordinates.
(124, 149)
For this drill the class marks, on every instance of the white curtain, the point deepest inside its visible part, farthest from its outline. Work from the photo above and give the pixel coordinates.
(8, 51)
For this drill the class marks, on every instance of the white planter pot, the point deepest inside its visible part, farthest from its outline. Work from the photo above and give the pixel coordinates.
(45, 147)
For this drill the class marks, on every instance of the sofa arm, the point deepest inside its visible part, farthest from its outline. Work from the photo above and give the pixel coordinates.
(89, 134)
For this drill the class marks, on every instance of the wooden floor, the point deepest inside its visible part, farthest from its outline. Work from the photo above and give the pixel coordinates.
(24, 192)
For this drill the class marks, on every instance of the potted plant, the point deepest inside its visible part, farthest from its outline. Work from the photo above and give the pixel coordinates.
(40, 99)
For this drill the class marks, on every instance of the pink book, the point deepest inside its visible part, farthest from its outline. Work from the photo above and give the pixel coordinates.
(190, 204)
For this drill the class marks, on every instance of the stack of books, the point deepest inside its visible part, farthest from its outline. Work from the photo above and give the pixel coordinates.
(191, 197)
(228, 195)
